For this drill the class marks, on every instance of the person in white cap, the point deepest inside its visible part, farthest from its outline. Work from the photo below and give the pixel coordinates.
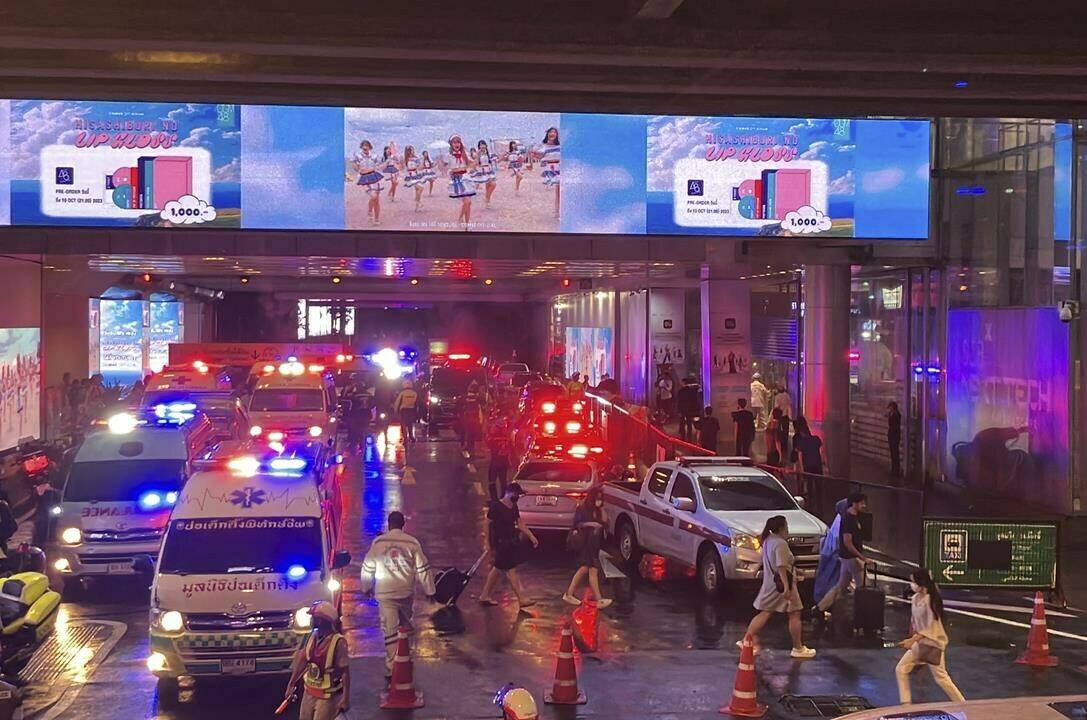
(393, 565)
(322, 665)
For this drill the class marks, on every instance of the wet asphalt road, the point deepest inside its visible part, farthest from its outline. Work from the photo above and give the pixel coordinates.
(664, 650)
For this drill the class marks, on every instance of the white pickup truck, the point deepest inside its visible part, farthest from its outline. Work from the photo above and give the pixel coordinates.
(707, 513)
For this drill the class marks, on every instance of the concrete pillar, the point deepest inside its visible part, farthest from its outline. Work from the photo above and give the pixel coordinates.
(826, 360)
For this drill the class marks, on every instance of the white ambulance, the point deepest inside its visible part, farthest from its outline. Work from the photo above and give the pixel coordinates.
(248, 549)
(119, 491)
(293, 399)
(179, 383)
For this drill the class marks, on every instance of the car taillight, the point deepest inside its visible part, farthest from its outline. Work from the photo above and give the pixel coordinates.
(578, 407)
(576, 495)
(573, 426)
(581, 450)
(275, 436)
(549, 427)
(547, 408)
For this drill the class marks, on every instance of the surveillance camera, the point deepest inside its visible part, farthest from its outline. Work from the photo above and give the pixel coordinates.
(1068, 310)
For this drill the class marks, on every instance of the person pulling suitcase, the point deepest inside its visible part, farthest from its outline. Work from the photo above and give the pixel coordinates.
(403, 563)
(851, 559)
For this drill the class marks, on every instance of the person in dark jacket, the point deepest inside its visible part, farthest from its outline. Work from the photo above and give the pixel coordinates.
(708, 428)
(744, 420)
(689, 403)
(894, 437)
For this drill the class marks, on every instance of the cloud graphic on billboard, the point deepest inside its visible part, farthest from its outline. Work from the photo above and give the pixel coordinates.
(188, 210)
(806, 220)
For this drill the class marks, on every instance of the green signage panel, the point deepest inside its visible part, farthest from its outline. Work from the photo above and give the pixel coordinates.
(968, 552)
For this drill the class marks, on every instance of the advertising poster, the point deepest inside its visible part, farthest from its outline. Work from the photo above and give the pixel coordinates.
(125, 164)
(589, 351)
(1007, 404)
(20, 385)
(291, 174)
(121, 345)
(451, 170)
(787, 177)
(166, 328)
(5, 162)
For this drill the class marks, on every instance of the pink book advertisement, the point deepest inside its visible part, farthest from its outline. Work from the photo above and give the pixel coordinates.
(172, 179)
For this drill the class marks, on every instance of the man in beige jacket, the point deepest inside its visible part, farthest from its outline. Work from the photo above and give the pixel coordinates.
(392, 567)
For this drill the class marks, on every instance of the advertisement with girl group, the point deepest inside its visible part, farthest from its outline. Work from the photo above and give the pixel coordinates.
(91, 163)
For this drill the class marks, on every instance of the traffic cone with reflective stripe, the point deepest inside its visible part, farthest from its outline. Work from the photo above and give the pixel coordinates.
(1037, 652)
(585, 622)
(402, 694)
(744, 702)
(565, 690)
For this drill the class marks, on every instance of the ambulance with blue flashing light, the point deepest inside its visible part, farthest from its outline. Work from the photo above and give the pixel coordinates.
(118, 493)
(176, 383)
(293, 398)
(249, 548)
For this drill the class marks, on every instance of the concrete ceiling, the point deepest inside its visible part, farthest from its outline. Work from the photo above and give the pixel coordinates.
(653, 56)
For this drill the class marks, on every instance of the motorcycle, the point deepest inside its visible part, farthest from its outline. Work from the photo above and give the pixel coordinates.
(28, 608)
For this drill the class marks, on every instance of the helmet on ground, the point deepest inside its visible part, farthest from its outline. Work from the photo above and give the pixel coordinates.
(516, 703)
(325, 610)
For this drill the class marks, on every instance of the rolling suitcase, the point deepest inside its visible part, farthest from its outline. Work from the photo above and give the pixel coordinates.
(868, 604)
(450, 583)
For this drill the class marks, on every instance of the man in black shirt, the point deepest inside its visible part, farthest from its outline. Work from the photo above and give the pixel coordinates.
(689, 402)
(851, 559)
(894, 437)
(708, 427)
(744, 420)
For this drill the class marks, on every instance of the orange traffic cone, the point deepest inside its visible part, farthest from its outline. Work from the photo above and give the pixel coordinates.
(565, 690)
(1037, 652)
(402, 694)
(744, 702)
(585, 622)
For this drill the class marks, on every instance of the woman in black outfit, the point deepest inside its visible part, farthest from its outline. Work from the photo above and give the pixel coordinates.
(585, 539)
(506, 529)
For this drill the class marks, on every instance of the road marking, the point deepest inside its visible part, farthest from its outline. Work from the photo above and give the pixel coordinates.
(69, 694)
(611, 572)
(1005, 608)
(1002, 621)
(409, 476)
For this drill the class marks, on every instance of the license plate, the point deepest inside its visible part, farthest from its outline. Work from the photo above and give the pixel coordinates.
(119, 568)
(239, 666)
(546, 500)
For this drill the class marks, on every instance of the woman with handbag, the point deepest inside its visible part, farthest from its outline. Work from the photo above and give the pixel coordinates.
(929, 640)
(585, 539)
(779, 592)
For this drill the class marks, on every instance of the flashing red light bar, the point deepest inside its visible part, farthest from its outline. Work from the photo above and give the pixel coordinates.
(460, 356)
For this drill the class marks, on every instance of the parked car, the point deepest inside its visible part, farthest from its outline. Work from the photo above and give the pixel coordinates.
(553, 488)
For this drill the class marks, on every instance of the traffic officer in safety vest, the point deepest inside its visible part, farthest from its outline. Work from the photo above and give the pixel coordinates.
(322, 664)
(394, 563)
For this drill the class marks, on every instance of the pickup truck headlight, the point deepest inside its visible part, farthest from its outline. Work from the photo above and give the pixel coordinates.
(71, 536)
(743, 540)
(167, 620)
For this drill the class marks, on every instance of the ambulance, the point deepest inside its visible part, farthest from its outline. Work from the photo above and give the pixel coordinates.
(293, 399)
(177, 383)
(248, 549)
(119, 490)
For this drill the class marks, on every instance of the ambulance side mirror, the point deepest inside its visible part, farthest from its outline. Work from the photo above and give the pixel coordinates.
(341, 559)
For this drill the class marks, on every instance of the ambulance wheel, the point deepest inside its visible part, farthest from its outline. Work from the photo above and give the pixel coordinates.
(166, 690)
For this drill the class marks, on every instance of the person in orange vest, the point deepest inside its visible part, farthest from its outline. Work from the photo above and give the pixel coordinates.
(322, 665)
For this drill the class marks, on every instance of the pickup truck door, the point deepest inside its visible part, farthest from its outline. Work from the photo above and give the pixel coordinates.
(655, 515)
(682, 542)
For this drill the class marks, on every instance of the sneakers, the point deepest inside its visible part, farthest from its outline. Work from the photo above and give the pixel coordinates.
(802, 653)
(604, 602)
(570, 599)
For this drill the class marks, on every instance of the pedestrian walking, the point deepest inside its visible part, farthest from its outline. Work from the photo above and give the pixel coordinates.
(498, 443)
(47, 497)
(771, 435)
(406, 406)
(780, 592)
(471, 420)
(504, 536)
(744, 421)
(809, 454)
(665, 391)
(827, 571)
(688, 403)
(393, 566)
(894, 437)
(708, 428)
(322, 666)
(585, 540)
(928, 643)
(851, 559)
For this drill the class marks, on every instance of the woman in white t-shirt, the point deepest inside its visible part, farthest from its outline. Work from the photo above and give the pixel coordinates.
(928, 643)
